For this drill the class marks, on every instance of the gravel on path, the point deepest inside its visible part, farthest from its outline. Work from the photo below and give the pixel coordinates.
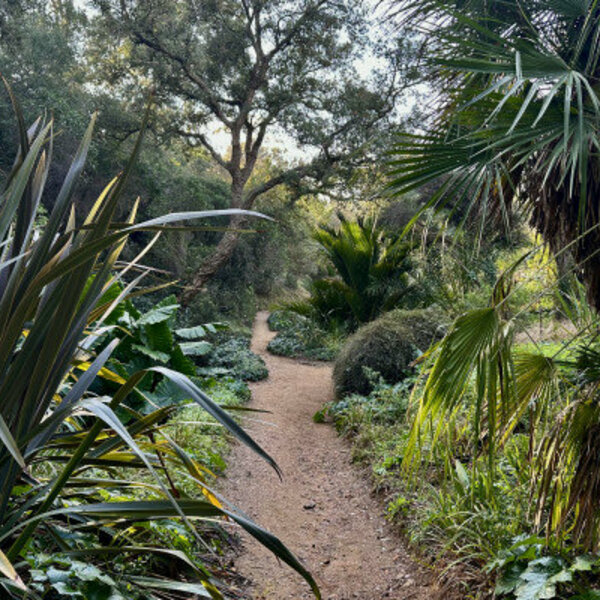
(323, 510)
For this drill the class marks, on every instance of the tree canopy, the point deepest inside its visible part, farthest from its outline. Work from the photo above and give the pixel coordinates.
(250, 68)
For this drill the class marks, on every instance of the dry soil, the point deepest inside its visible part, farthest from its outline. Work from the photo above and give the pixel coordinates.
(323, 510)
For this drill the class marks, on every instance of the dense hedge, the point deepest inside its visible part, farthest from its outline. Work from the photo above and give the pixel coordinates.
(388, 346)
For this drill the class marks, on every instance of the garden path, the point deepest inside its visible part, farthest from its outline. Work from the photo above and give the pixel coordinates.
(323, 510)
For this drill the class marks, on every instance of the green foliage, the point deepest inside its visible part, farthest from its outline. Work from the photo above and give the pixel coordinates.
(448, 512)
(280, 320)
(388, 345)
(371, 268)
(234, 355)
(489, 422)
(150, 338)
(529, 572)
(468, 516)
(55, 577)
(376, 426)
(61, 443)
(478, 375)
(300, 337)
(518, 110)
(386, 403)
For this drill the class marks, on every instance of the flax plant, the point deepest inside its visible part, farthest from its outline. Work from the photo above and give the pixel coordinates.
(60, 443)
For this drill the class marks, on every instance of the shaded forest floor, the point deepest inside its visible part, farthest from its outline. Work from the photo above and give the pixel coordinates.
(323, 510)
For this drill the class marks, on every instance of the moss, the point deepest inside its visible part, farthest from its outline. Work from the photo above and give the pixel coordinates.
(387, 346)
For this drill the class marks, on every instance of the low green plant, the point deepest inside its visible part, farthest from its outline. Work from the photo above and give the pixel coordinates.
(301, 337)
(385, 404)
(376, 424)
(146, 339)
(233, 355)
(529, 570)
(62, 577)
(153, 336)
(477, 370)
(469, 517)
(282, 319)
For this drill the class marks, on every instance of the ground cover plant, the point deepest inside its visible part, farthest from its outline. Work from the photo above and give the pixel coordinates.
(69, 526)
(300, 337)
(231, 354)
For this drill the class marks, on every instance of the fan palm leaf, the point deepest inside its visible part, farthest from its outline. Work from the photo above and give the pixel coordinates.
(518, 116)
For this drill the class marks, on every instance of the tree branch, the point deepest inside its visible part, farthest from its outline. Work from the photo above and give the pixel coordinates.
(253, 147)
(210, 100)
(315, 168)
(204, 141)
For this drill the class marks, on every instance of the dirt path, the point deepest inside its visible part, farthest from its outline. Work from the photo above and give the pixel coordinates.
(323, 510)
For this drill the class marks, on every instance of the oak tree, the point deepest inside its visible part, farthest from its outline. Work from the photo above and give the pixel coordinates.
(255, 68)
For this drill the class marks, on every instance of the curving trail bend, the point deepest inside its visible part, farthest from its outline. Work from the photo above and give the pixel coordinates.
(323, 511)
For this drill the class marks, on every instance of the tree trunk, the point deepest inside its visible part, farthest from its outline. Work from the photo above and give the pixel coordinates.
(556, 215)
(220, 257)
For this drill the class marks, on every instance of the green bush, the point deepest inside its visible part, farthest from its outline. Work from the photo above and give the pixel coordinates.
(388, 346)
(300, 337)
(147, 338)
(369, 274)
(234, 354)
(280, 320)
(61, 441)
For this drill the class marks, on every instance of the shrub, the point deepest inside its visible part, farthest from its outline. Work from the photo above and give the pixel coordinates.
(147, 339)
(300, 337)
(370, 274)
(283, 319)
(388, 346)
(54, 428)
(234, 354)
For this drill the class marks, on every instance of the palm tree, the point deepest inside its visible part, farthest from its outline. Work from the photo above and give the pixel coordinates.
(371, 268)
(516, 127)
(516, 116)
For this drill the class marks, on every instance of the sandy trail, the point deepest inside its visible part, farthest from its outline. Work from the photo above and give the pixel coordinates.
(323, 510)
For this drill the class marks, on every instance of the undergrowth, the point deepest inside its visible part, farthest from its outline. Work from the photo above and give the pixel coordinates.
(300, 337)
(478, 533)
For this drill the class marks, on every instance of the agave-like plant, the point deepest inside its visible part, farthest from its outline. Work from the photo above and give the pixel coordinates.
(59, 443)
